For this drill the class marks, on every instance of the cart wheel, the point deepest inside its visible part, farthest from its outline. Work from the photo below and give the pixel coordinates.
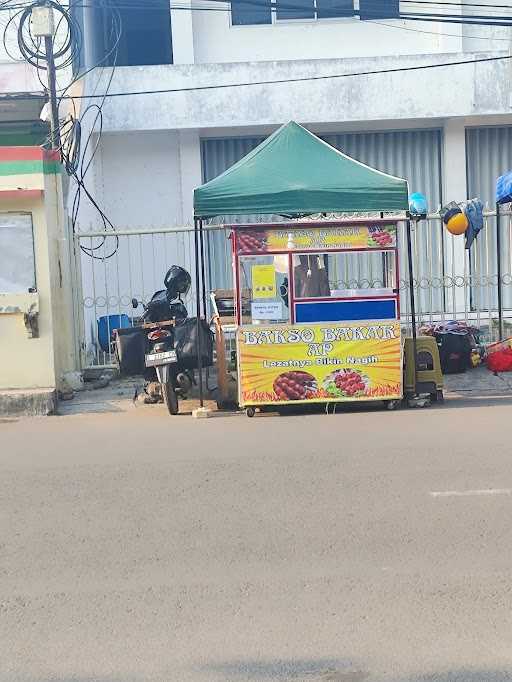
(437, 397)
(250, 412)
(392, 404)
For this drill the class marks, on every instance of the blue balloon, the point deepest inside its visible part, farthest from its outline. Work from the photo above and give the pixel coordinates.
(418, 204)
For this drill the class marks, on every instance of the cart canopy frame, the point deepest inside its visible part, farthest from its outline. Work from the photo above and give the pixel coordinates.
(295, 173)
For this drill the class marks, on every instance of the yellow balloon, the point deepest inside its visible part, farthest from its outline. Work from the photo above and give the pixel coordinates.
(457, 224)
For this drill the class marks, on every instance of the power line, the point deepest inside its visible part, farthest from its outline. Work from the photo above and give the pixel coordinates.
(455, 4)
(300, 79)
(438, 18)
(273, 4)
(441, 34)
(418, 17)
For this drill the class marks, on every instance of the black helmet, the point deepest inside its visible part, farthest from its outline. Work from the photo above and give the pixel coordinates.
(177, 282)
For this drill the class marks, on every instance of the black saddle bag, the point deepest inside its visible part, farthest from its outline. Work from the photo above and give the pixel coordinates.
(130, 351)
(186, 342)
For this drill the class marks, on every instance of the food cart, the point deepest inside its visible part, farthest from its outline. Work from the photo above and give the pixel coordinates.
(321, 318)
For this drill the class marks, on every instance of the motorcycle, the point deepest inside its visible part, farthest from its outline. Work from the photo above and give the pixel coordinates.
(165, 379)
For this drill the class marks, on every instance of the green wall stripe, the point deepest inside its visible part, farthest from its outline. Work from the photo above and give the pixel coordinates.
(29, 167)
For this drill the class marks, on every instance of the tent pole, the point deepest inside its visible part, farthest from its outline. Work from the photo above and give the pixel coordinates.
(197, 224)
(203, 295)
(203, 266)
(498, 261)
(413, 304)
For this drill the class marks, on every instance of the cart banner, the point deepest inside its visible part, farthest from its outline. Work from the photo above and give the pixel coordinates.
(319, 363)
(264, 281)
(253, 240)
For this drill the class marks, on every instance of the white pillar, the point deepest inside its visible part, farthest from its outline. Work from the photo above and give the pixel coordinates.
(455, 189)
(182, 30)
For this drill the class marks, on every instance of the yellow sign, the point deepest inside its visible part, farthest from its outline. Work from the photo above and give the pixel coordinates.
(320, 363)
(316, 238)
(253, 240)
(263, 281)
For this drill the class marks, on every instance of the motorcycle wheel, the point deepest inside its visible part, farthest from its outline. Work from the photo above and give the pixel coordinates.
(170, 397)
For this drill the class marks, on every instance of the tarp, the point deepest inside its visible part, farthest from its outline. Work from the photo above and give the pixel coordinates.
(294, 173)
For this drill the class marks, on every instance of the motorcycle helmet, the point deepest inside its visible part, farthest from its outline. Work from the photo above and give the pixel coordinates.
(177, 282)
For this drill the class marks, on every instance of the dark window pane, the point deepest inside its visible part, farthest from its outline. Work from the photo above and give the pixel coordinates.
(145, 34)
(379, 9)
(77, 12)
(295, 9)
(334, 8)
(250, 12)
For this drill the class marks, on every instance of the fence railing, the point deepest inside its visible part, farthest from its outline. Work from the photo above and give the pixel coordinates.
(450, 282)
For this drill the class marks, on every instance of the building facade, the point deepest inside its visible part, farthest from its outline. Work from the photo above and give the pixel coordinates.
(226, 75)
(431, 126)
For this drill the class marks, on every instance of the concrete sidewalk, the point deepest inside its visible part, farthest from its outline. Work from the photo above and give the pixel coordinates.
(478, 381)
(118, 396)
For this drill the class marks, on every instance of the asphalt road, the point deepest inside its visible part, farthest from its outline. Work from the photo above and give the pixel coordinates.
(361, 547)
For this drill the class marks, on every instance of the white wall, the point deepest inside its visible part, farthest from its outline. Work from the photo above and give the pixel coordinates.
(141, 178)
(141, 181)
(216, 40)
(136, 180)
(467, 90)
(477, 38)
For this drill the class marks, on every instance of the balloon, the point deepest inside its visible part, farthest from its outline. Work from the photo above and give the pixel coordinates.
(457, 224)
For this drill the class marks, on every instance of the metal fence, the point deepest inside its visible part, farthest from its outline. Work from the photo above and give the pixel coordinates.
(450, 283)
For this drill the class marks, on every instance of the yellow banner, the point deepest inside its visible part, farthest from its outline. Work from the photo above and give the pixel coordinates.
(320, 363)
(264, 281)
(317, 238)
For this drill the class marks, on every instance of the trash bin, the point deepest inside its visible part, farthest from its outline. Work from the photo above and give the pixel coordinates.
(106, 326)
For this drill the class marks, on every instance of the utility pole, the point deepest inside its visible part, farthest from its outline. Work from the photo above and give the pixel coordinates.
(43, 26)
(52, 87)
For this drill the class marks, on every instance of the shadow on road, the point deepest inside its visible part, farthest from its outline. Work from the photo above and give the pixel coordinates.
(336, 670)
(308, 670)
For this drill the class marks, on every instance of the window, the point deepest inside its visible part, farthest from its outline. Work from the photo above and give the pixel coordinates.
(344, 275)
(250, 12)
(379, 9)
(326, 9)
(17, 264)
(264, 285)
(145, 34)
(295, 9)
(260, 11)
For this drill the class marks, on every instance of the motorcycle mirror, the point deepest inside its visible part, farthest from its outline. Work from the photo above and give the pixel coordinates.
(135, 303)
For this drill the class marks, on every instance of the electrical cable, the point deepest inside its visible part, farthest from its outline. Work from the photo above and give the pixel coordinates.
(76, 162)
(74, 152)
(440, 34)
(437, 17)
(373, 22)
(30, 47)
(403, 15)
(158, 6)
(299, 79)
(456, 4)
(287, 80)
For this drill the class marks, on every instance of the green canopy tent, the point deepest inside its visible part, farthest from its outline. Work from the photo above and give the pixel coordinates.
(292, 173)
